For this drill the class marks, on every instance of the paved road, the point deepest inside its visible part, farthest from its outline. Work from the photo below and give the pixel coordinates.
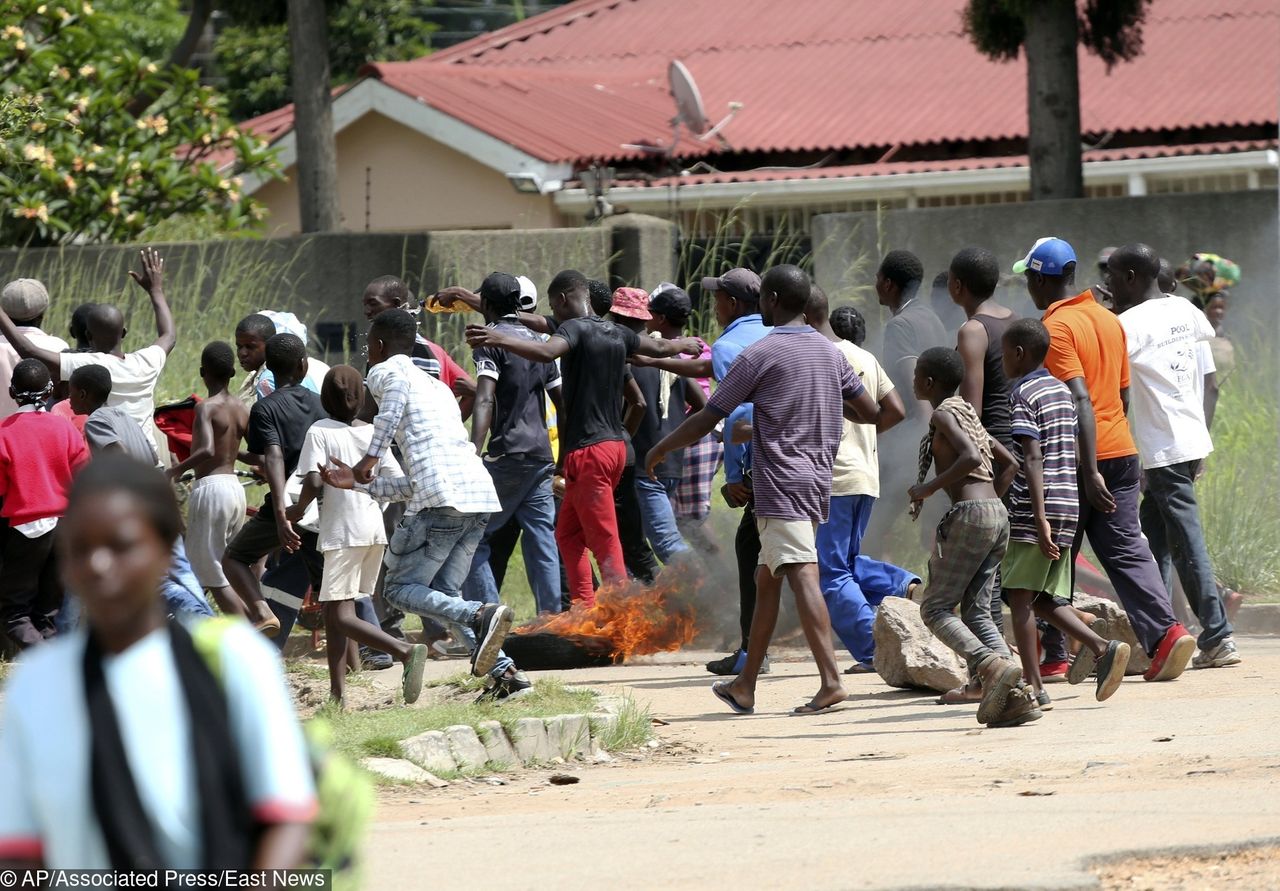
(891, 791)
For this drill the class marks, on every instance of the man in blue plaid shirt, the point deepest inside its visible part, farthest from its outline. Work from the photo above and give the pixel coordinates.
(448, 493)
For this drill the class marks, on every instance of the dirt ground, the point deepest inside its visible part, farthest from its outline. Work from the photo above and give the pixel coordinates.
(890, 791)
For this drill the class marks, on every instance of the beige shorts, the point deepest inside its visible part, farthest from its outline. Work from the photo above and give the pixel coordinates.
(350, 573)
(215, 513)
(783, 542)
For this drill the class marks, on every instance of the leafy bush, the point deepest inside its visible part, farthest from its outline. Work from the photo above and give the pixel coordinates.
(82, 168)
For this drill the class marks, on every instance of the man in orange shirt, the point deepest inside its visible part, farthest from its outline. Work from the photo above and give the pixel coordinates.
(1087, 352)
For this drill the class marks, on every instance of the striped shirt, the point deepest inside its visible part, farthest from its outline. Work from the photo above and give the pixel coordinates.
(798, 381)
(441, 465)
(1044, 410)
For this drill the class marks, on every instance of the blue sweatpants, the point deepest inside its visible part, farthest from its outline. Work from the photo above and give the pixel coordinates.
(853, 585)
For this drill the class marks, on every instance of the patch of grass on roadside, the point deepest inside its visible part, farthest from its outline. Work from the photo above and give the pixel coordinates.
(633, 728)
(360, 734)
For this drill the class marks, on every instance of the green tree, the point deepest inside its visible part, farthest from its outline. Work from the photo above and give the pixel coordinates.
(82, 168)
(253, 54)
(1049, 31)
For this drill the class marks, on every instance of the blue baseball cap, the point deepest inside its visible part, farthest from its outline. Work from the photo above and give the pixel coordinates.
(1048, 256)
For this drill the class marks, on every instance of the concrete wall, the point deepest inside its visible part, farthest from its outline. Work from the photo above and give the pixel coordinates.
(320, 278)
(412, 183)
(1238, 225)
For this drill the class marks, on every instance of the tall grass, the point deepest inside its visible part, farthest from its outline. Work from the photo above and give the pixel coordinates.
(1239, 494)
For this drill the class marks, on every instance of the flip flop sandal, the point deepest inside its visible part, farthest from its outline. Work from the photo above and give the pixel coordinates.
(809, 709)
(721, 691)
(268, 627)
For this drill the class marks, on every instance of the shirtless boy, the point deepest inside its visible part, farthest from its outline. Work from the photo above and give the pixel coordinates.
(216, 508)
(974, 470)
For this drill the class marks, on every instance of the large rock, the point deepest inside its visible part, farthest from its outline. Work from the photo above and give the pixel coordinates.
(430, 750)
(907, 653)
(1118, 628)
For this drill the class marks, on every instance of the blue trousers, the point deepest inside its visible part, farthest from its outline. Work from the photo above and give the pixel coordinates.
(658, 516)
(853, 585)
(524, 488)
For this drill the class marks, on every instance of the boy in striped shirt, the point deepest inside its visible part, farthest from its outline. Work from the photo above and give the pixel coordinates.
(1044, 509)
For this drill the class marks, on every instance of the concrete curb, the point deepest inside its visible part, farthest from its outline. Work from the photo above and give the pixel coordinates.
(535, 741)
(1258, 619)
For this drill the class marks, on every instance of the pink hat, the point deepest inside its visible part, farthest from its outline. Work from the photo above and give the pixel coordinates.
(632, 303)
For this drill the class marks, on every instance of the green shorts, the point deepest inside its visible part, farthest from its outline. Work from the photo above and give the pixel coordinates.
(1026, 569)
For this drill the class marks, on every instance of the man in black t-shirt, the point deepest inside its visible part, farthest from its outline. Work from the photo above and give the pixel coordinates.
(593, 354)
(666, 397)
(278, 426)
(510, 411)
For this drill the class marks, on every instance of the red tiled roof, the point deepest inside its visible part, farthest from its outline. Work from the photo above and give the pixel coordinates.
(888, 168)
(580, 82)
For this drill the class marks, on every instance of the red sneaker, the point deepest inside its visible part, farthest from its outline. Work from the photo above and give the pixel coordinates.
(1172, 656)
(1053, 671)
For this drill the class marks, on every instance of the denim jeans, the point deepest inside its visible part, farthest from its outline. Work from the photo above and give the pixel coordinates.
(658, 516)
(1171, 523)
(428, 559)
(854, 585)
(524, 488)
(183, 596)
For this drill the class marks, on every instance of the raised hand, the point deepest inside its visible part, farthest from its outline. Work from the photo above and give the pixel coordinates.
(151, 278)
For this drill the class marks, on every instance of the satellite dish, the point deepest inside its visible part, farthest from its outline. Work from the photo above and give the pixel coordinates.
(689, 110)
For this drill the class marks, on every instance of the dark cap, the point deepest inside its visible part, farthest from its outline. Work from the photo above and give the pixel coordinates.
(500, 286)
(739, 283)
(671, 301)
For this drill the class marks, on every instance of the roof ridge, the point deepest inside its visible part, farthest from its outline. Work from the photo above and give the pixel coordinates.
(542, 23)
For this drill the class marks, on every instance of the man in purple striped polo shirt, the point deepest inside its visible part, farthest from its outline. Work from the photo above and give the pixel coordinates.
(803, 389)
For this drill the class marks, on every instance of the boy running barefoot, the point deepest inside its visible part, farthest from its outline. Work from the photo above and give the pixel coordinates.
(216, 507)
(971, 539)
(1044, 507)
(352, 536)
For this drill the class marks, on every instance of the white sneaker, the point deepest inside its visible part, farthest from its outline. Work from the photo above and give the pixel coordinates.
(1221, 656)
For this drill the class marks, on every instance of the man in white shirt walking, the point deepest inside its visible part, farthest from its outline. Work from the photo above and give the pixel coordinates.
(1166, 412)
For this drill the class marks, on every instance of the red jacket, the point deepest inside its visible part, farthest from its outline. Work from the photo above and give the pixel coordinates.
(39, 454)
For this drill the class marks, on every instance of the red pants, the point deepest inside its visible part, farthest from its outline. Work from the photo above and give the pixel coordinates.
(587, 518)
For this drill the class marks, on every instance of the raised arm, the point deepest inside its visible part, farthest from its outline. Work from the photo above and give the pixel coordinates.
(662, 349)
(1095, 487)
(971, 344)
(682, 367)
(28, 350)
(151, 280)
(536, 350)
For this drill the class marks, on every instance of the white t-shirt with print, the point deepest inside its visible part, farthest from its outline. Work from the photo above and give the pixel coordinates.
(857, 469)
(348, 519)
(1166, 386)
(133, 383)
(46, 811)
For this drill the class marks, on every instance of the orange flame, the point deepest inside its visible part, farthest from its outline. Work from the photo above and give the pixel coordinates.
(635, 620)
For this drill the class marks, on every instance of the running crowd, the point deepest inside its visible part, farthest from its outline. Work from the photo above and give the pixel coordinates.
(596, 431)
